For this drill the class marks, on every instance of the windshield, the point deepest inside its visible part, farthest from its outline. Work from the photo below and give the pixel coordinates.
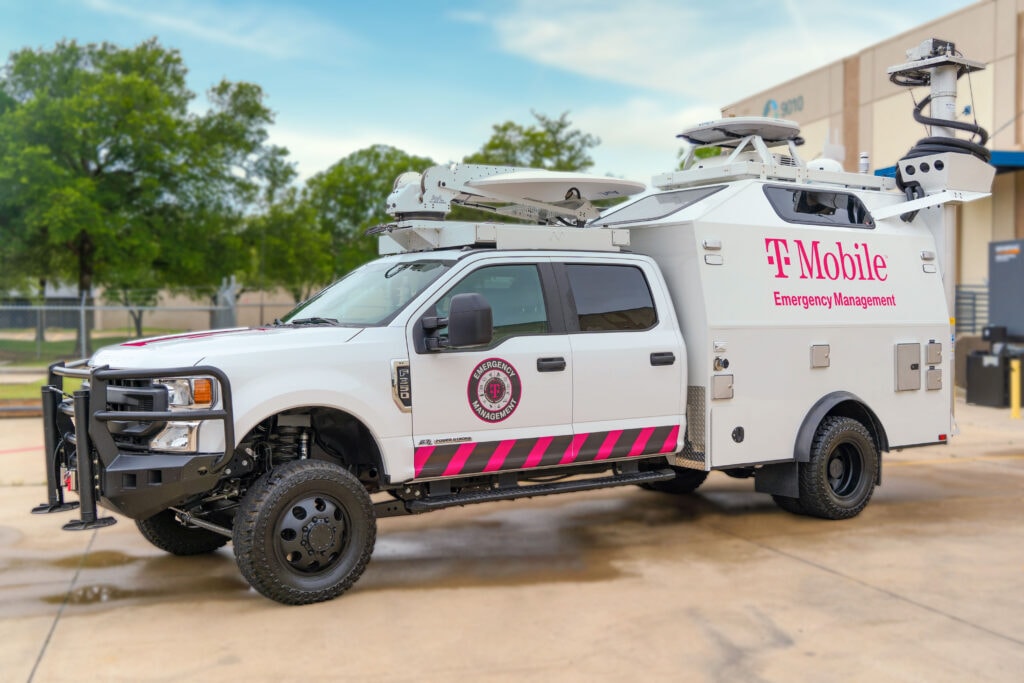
(370, 295)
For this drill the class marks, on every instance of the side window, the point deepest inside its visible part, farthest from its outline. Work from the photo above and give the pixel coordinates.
(816, 207)
(611, 298)
(515, 295)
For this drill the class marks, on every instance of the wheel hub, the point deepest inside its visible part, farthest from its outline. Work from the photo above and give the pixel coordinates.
(318, 535)
(835, 468)
(312, 533)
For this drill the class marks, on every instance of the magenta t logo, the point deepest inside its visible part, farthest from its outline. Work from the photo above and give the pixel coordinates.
(778, 255)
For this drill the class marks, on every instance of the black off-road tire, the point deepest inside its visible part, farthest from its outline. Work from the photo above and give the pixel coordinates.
(686, 481)
(788, 504)
(840, 477)
(304, 532)
(164, 531)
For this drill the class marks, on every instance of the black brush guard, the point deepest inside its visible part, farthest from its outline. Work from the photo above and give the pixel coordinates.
(137, 484)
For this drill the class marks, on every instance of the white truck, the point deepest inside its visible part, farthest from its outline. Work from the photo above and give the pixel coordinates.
(754, 314)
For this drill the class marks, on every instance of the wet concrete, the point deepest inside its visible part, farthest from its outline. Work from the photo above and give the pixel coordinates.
(926, 584)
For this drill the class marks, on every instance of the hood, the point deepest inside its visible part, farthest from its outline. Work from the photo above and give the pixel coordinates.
(190, 348)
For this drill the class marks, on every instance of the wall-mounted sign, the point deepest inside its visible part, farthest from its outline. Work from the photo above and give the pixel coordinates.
(785, 109)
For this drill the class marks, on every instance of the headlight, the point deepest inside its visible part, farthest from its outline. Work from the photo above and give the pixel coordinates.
(177, 437)
(189, 392)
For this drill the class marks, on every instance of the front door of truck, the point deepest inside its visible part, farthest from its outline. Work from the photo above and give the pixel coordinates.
(503, 406)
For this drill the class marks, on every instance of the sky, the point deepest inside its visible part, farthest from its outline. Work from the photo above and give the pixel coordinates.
(431, 77)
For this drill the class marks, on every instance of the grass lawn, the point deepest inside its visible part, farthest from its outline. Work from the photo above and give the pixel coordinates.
(19, 348)
(29, 391)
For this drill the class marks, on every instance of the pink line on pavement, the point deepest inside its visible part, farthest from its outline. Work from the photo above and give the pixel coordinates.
(21, 450)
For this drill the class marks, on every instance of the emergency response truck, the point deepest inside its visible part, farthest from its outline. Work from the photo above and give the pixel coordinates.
(752, 313)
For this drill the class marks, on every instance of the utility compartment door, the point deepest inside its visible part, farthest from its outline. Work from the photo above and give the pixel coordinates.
(628, 357)
(504, 406)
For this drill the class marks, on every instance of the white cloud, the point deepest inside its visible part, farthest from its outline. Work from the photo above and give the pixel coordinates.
(279, 32)
(315, 151)
(638, 137)
(694, 50)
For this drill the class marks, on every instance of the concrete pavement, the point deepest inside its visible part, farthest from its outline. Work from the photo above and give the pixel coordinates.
(926, 584)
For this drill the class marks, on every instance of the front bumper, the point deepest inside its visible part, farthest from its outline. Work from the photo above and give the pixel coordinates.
(89, 435)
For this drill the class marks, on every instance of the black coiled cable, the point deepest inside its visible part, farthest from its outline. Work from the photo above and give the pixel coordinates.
(938, 145)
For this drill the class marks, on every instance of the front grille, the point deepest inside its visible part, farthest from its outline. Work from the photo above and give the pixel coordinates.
(134, 396)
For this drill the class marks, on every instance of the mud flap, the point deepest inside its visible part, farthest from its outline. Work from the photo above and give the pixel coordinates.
(780, 479)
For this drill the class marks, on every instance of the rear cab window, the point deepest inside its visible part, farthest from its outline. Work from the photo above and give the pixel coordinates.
(610, 298)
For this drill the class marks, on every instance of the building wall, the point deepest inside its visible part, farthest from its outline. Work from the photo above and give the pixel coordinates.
(850, 107)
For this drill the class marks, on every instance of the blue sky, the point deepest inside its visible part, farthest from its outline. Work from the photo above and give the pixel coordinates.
(432, 77)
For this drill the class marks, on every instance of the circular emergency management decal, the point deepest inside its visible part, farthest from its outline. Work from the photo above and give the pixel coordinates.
(494, 390)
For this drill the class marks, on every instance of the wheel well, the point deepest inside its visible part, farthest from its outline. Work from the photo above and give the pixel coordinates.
(843, 404)
(861, 413)
(318, 433)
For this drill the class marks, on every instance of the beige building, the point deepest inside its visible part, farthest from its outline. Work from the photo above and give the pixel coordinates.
(850, 107)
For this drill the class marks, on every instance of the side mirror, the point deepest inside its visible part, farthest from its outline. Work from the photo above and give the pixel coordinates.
(469, 320)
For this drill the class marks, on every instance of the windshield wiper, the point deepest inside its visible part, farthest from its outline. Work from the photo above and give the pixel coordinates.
(313, 321)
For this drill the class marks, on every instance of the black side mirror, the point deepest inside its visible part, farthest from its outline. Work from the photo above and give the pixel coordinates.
(470, 322)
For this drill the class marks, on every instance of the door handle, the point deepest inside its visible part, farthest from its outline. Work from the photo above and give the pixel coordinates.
(550, 364)
(663, 358)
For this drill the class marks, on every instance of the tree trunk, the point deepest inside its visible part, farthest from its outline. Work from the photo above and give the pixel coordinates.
(41, 314)
(136, 315)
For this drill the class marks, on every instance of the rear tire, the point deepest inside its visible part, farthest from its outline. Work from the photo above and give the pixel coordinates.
(840, 477)
(686, 481)
(304, 532)
(166, 533)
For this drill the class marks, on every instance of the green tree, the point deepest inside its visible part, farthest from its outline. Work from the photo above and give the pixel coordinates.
(698, 154)
(550, 143)
(349, 197)
(107, 178)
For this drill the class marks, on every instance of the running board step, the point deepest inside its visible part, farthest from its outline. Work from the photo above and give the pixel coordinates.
(391, 509)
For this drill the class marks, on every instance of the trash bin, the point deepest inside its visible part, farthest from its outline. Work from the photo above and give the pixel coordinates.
(988, 379)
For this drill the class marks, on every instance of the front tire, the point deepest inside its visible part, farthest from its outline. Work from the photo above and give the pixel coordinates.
(304, 532)
(166, 533)
(840, 477)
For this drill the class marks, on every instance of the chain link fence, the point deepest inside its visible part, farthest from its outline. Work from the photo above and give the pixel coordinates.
(64, 328)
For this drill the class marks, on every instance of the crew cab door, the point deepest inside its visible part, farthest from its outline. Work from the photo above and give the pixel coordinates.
(629, 361)
(502, 406)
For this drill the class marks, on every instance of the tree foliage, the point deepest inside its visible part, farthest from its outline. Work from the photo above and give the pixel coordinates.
(550, 143)
(108, 179)
(349, 197)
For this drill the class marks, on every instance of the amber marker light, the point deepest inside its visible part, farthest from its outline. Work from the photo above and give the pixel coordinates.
(202, 391)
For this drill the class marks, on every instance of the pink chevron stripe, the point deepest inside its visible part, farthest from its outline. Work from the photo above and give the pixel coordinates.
(608, 445)
(641, 441)
(573, 451)
(458, 460)
(537, 452)
(670, 441)
(500, 453)
(420, 458)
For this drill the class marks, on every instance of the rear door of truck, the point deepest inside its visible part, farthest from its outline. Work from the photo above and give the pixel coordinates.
(629, 362)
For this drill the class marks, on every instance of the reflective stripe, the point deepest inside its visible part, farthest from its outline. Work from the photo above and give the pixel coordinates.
(516, 454)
